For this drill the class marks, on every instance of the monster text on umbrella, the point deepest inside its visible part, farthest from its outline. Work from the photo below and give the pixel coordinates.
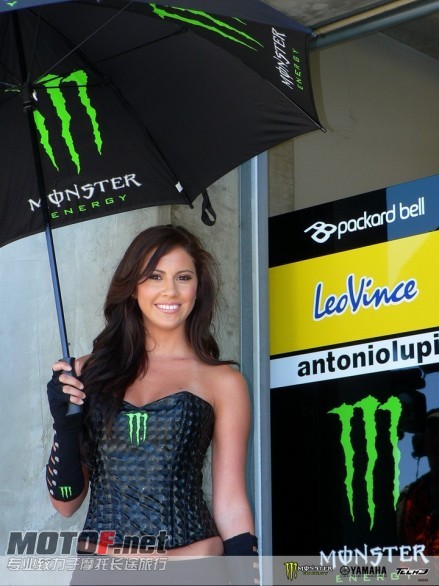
(88, 190)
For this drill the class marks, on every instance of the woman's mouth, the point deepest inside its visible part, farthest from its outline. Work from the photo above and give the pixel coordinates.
(168, 307)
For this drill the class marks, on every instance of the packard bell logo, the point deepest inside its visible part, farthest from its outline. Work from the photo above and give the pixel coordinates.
(137, 427)
(52, 83)
(369, 406)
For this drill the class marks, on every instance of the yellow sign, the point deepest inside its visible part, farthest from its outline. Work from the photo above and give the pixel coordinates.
(369, 292)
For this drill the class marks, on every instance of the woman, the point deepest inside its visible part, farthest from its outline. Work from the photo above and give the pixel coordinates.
(154, 393)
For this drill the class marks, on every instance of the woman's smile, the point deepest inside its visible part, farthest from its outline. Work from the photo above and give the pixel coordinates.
(168, 308)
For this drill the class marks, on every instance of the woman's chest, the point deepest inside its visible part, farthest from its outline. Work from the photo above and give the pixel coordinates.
(163, 380)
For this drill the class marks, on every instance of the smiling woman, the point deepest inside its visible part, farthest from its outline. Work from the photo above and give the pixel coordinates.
(154, 395)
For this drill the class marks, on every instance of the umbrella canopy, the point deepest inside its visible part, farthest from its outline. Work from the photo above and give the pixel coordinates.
(139, 104)
(112, 105)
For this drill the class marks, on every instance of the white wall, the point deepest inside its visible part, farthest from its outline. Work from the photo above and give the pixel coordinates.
(378, 100)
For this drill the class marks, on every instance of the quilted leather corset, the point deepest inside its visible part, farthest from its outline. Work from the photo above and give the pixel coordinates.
(148, 474)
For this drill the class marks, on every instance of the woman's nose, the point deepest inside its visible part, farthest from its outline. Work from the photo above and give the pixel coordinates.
(170, 286)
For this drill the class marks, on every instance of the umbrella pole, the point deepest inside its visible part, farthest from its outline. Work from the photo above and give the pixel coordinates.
(29, 105)
(57, 293)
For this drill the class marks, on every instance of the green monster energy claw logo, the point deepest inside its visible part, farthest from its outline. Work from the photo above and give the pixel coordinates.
(291, 569)
(137, 427)
(66, 491)
(208, 22)
(369, 407)
(52, 83)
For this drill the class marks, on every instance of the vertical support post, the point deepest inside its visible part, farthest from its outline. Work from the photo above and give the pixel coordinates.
(255, 362)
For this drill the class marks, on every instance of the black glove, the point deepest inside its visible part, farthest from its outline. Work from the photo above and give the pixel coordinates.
(64, 476)
(242, 571)
(58, 405)
(242, 544)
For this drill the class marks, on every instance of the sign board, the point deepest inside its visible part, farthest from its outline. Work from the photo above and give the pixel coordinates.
(354, 353)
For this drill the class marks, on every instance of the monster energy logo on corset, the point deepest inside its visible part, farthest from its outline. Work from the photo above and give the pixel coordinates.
(66, 491)
(53, 86)
(137, 427)
(369, 407)
(208, 22)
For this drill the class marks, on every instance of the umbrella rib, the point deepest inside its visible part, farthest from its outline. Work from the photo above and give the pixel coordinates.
(76, 47)
(133, 49)
(15, 16)
(34, 49)
(316, 122)
(12, 74)
(141, 125)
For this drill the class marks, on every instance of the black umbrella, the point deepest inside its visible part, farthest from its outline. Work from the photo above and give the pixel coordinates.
(132, 103)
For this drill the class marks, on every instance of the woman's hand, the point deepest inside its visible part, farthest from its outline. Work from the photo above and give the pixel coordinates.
(69, 384)
(65, 477)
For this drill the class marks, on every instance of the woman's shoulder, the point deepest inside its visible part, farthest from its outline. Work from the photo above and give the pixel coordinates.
(224, 381)
(223, 372)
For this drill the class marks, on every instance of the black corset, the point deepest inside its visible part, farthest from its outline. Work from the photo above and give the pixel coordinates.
(147, 478)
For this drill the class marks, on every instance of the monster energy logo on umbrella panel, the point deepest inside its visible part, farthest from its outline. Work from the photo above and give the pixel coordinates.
(137, 427)
(204, 20)
(369, 407)
(53, 85)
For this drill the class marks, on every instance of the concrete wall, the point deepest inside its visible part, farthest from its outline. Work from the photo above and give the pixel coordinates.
(221, 240)
(378, 101)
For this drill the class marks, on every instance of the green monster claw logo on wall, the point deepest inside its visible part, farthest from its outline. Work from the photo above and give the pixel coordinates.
(369, 407)
(208, 22)
(66, 491)
(137, 427)
(53, 86)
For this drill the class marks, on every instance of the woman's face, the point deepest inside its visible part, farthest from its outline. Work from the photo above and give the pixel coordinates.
(167, 296)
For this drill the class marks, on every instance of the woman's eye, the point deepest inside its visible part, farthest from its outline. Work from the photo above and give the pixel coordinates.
(185, 277)
(154, 276)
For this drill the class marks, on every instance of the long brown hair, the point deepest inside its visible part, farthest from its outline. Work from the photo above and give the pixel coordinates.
(119, 354)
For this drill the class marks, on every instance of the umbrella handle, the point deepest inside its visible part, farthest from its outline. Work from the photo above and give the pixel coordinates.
(72, 408)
